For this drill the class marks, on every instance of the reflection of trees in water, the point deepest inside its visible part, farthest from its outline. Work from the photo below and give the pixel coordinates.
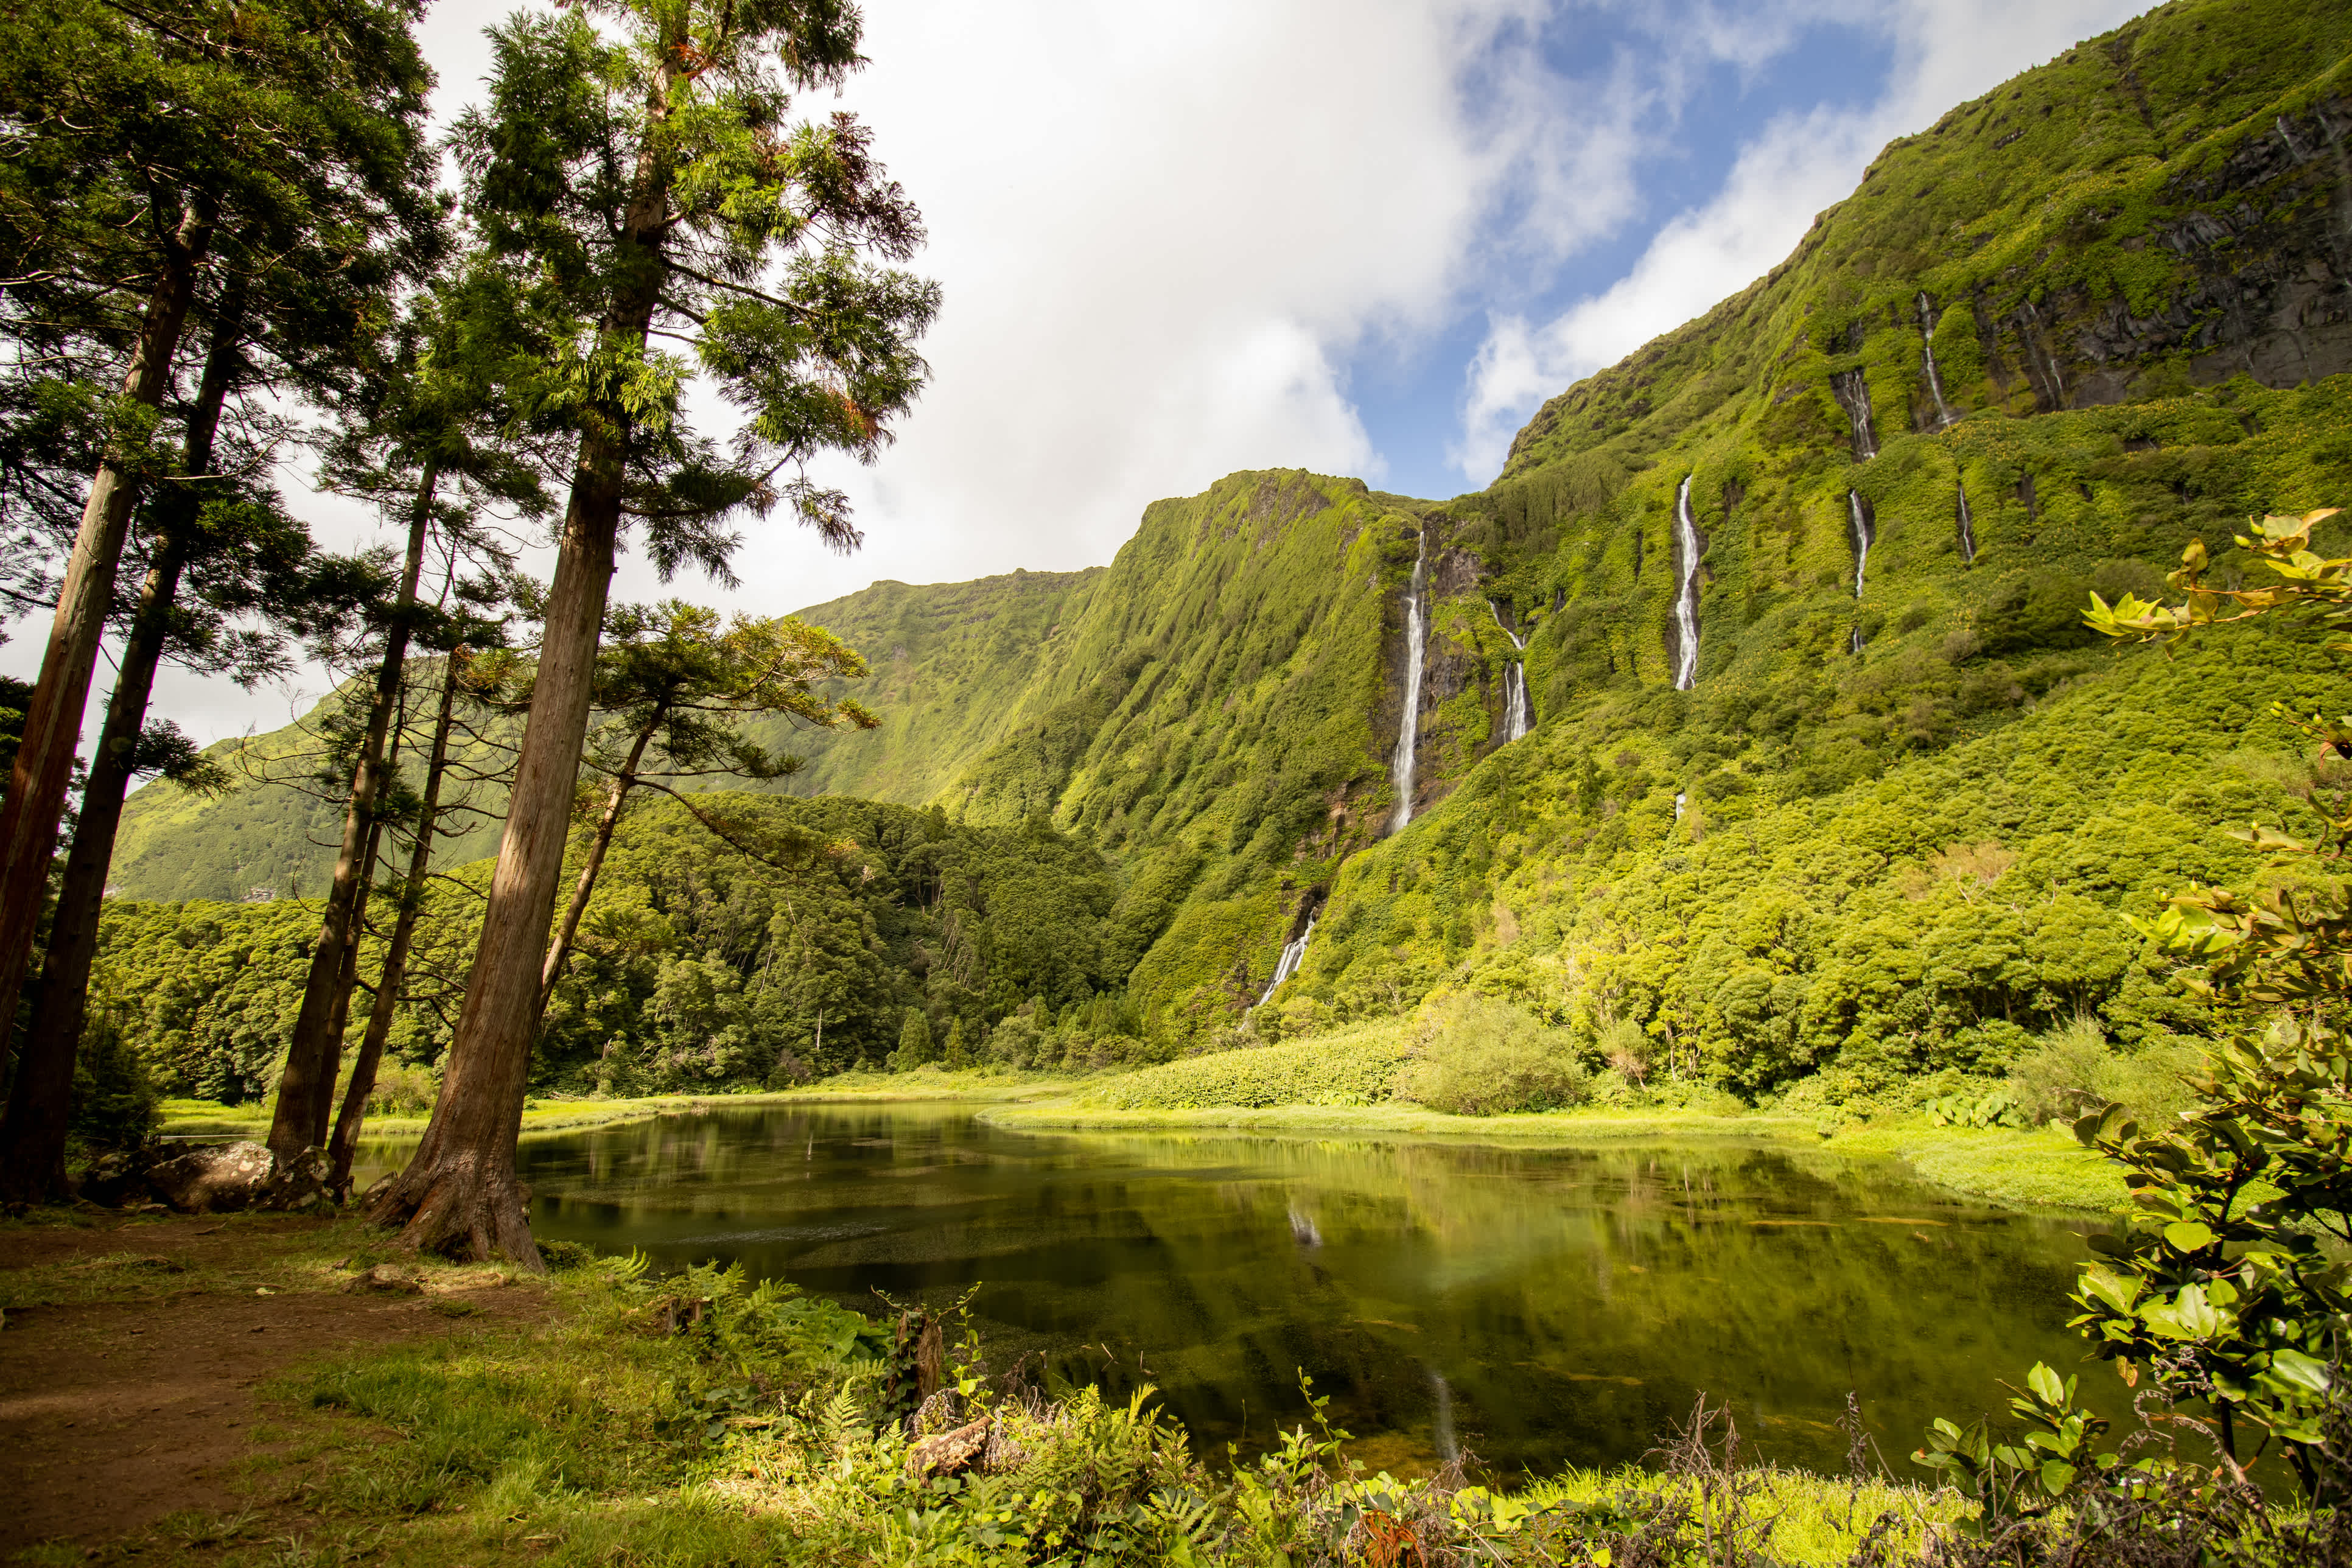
(1572, 1301)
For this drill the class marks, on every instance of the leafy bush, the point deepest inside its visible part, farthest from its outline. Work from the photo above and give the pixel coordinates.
(115, 1103)
(1357, 1068)
(2076, 1070)
(403, 1091)
(1480, 1056)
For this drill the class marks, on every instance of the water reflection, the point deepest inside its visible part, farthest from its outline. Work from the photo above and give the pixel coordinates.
(1534, 1306)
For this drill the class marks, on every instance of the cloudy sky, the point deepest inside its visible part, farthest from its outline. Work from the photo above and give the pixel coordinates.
(1362, 236)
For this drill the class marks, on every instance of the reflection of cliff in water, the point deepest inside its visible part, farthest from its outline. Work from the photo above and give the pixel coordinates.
(1573, 1301)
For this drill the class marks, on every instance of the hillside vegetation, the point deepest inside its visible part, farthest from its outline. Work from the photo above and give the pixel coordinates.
(1888, 832)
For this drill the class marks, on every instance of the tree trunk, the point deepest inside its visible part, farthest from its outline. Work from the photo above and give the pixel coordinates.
(40, 1097)
(395, 958)
(306, 1093)
(347, 980)
(560, 949)
(459, 1195)
(36, 782)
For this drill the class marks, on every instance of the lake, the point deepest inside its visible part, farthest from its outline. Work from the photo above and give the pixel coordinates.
(1533, 1307)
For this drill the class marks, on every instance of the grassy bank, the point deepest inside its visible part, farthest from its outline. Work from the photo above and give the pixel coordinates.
(600, 1416)
(211, 1119)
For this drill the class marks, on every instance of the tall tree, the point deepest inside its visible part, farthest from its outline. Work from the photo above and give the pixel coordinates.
(678, 686)
(278, 121)
(642, 179)
(435, 429)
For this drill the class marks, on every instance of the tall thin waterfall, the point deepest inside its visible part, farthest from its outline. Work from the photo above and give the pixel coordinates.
(1864, 535)
(1517, 717)
(1294, 953)
(1852, 389)
(1967, 529)
(1687, 593)
(1409, 730)
(1927, 349)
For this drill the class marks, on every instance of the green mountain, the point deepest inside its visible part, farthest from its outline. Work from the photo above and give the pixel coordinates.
(1881, 816)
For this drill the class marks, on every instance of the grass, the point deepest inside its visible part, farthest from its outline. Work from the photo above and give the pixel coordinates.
(1340, 1083)
(211, 1119)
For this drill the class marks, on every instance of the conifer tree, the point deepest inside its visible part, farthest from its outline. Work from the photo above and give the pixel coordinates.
(955, 1054)
(678, 684)
(642, 184)
(431, 434)
(914, 1042)
(281, 124)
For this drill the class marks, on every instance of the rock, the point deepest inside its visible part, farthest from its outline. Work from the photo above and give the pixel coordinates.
(214, 1177)
(299, 1184)
(117, 1179)
(949, 1453)
(386, 1279)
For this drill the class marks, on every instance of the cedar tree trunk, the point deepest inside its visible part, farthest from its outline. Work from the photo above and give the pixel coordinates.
(40, 1099)
(353, 1115)
(306, 1093)
(36, 781)
(564, 934)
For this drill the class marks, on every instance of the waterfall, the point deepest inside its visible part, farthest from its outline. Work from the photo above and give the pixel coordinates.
(1858, 514)
(1927, 349)
(1409, 730)
(1517, 717)
(1294, 953)
(1686, 595)
(1967, 529)
(1852, 389)
(1865, 536)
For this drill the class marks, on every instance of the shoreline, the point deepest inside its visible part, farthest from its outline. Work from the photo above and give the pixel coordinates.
(2025, 1170)
(2014, 1168)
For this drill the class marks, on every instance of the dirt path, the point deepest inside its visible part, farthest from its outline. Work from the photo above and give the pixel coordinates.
(114, 1415)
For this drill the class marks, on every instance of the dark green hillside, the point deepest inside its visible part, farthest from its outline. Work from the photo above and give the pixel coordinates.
(950, 668)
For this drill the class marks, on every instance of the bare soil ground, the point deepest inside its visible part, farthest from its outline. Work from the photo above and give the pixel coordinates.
(117, 1412)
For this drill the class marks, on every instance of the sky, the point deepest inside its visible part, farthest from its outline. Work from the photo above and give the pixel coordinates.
(1365, 237)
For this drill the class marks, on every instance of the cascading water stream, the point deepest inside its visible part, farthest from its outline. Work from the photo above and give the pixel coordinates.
(1517, 717)
(1852, 390)
(1968, 529)
(1409, 730)
(1686, 593)
(1294, 953)
(1927, 348)
(1864, 535)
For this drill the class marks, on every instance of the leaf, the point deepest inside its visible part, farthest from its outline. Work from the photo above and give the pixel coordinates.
(2188, 1236)
(2056, 1477)
(2045, 1385)
(2294, 1367)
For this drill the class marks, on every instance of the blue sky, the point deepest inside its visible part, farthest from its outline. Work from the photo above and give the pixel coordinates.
(1409, 395)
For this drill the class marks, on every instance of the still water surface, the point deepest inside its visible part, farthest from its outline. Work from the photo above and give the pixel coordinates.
(1535, 1306)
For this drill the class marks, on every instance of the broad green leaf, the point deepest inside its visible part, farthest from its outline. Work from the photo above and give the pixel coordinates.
(2188, 1236)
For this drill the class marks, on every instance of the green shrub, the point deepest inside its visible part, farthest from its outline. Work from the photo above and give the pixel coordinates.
(115, 1104)
(1481, 1055)
(403, 1091)
(2075, 1069)
(1357, 1068)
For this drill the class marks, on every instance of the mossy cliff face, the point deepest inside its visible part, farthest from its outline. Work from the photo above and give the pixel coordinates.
(1892, 825)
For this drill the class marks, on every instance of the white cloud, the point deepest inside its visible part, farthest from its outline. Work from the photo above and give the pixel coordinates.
(1161, 233)
(1798, 164)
